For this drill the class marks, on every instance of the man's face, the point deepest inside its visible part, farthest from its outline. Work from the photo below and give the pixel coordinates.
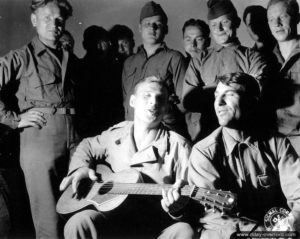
(102, 45)
(49, 23)
(125, 47)
(194, 40)
(149, 103)
(228, 105)
(223, 29)
(152, 30)
(280, 22)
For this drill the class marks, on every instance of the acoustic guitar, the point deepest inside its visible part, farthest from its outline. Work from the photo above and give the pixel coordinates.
(114, 188)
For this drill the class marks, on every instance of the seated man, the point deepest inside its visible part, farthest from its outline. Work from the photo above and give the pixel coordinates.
(262, 170)
(146, 145)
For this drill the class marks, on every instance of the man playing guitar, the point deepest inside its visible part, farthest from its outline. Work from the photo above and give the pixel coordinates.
(146, 145)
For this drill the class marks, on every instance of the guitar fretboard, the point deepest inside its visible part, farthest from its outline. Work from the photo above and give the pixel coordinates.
(141, 188)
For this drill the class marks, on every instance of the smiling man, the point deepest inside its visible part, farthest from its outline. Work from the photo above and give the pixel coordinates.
(283, 18)
(160, 156)
(38, 98)
(154, 58)
(261, 169)
(227, 56)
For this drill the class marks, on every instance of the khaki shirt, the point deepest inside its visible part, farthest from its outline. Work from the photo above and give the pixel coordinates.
(33, 76)
(203, 71)
(263, 172)
(163, 161)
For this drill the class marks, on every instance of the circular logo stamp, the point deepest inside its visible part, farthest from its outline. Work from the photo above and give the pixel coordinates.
(273, 216)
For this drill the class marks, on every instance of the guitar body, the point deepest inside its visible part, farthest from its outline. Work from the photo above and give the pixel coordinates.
(96, 195)
(114, 188)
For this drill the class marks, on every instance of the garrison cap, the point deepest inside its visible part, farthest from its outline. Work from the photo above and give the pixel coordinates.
(217, 8)
(151, 9)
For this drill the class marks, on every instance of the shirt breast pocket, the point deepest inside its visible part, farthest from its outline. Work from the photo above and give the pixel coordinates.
(267, 181)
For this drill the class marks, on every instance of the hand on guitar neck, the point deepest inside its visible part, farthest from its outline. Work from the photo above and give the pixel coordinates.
(76, 177)
(172, 201)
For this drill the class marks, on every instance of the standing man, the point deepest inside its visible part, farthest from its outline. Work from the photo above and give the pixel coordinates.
(195, 37)
(37, 87)
(263, 170)
(227, 56)
(160, 156)
(154, 58)
(196, 40)
(283, 18)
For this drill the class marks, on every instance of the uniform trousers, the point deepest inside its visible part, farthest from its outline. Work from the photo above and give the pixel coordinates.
(135, 220)
(44, 157)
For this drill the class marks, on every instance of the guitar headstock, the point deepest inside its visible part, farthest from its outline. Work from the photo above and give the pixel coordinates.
(216, 199)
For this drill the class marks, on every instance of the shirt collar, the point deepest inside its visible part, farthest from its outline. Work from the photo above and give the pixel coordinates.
(162, 47)
(234, 44)
(230, 142)
(39, 47)
(160, 143)
(278, 55)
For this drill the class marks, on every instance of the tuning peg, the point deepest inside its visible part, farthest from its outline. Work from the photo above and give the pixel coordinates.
(238, 214)
(207, 192)
(214, 210)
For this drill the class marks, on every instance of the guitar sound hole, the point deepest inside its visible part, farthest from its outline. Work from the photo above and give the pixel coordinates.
(105, 187)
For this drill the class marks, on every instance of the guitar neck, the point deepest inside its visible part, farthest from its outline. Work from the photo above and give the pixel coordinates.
(143, 189)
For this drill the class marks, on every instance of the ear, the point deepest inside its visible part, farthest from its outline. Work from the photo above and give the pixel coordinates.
(33, 19)
(297, 19)
(166, 29)
(132, 101)
(140, 27)
(237, 22)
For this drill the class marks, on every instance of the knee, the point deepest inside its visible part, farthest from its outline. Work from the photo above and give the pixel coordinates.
(210, 234)
(184, 230)
(81, 225)
(179, 230)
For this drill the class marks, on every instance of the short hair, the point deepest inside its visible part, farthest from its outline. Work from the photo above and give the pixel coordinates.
(197, 23)
(259, 12)
(249, 85)
(291, 5)
(64, 6)
(150, 79)
(120, 32)
(92, 34)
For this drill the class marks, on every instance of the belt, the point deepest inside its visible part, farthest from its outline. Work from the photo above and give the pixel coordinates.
(54, 110)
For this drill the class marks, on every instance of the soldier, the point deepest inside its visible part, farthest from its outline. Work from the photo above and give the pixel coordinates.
(227, 56)
(283, 18)
(261, 169)
(195, 37)
(146, 145)
(154, 58)
(38, 87)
